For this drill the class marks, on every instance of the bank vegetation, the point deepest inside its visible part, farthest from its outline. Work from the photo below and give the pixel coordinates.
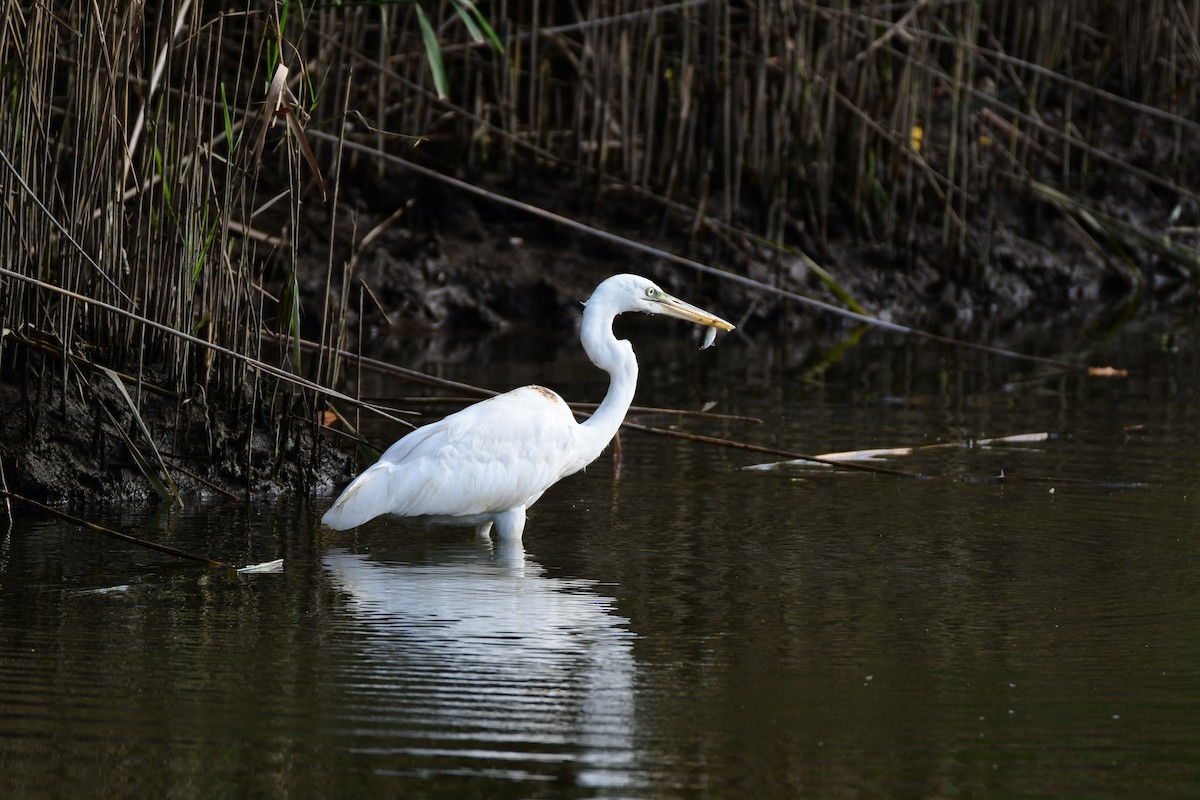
(175, 180)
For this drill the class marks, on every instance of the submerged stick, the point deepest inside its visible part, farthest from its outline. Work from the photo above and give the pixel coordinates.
(124, 537)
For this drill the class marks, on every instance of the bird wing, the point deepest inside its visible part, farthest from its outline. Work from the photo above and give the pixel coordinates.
(499, 454)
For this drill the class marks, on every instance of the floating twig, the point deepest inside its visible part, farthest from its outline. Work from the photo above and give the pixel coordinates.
(755, 448)
(846, 457)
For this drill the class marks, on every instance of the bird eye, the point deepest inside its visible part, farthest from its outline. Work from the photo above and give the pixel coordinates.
(651, 292)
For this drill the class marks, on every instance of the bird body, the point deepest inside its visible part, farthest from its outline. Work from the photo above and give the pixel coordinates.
(491, 457)
(485, 465)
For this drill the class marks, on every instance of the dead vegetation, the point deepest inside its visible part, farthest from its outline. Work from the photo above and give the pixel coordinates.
(157, 161)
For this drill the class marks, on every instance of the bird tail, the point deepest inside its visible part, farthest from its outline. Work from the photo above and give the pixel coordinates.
(364, 499)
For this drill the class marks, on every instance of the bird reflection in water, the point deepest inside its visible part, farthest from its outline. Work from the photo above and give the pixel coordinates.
(472, 659)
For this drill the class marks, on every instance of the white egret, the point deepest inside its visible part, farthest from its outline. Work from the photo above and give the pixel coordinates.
(485, 465)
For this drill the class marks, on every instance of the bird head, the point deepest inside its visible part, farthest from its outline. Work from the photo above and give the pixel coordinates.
(622, 293)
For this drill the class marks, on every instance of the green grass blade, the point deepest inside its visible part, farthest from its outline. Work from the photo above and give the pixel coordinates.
(160, 165)
(473, 29)
(291, 312)
(166, 486)
(229, 143)
(830, 282)
(433, 51)
(482, 23)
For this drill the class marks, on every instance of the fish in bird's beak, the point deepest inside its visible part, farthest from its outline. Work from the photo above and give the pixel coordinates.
(674, 307)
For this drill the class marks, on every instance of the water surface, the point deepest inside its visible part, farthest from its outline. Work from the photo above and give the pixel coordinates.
(1026, 624)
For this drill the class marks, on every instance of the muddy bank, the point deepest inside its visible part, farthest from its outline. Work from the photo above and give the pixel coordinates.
(85, 445)
(460, 263)
(457, 261)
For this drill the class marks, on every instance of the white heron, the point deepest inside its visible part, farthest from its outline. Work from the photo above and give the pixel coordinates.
(485, 465)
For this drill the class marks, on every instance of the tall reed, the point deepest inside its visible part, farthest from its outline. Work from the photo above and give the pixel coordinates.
(133, 137)
(791, 119)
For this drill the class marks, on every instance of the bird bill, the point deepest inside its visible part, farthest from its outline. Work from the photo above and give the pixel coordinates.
(674, 307)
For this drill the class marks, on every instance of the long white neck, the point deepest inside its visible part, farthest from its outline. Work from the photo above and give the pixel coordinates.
(614, 356)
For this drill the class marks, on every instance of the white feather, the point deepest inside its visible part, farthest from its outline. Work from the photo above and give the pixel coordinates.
(489, 462)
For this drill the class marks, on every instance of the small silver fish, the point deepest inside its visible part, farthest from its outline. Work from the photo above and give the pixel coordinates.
(709, 337)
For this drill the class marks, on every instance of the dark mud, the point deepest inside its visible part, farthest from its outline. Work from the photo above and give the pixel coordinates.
(462, 262)
(68, 447)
